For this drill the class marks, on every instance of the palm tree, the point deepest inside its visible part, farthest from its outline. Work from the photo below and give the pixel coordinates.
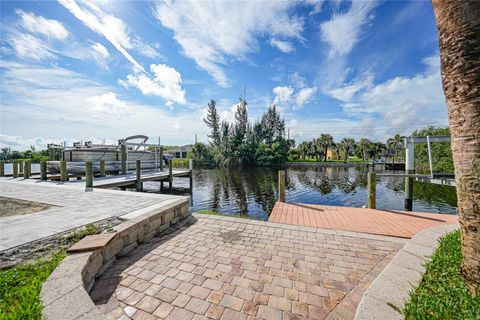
(395, 143)
(303, 149)
(458, 23)
(363, 146)
(347, 144)
(325, 141)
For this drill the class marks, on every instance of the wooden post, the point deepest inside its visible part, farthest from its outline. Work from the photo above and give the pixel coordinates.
(43, 170)
(170, 177)
(15, 169)
(20, 167)
(281, 185)
(51, 154)
(63, 171)
(102, 168)
(88, 174)
(27, 170)
(139, 174)
(124, 159)
(161, 158)
(372, 190)
(2, 168)
(409, 169)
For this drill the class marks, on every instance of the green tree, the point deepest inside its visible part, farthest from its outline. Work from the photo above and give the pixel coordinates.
(347, 145)
(325, 141)
(363, 147)
(212, 120)
(395, 143)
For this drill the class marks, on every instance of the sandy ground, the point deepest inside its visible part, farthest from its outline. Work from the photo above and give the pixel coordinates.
(12, 207)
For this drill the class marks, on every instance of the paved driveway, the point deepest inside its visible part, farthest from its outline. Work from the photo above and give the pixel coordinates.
(225, 268)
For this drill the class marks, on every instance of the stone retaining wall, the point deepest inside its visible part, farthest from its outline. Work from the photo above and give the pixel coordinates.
(65, 295)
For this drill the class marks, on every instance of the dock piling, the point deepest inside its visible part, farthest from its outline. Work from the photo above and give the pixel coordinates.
(124, 159)
(15, 169)
(20, 167)
(281, 185)
(170, 176)
(51, 154)
(43, 170)
(409, 169)
(372, 190)
(161, 158)
(139, 175)
(2, 168)
(102, 168)
(88, 174)
(63, 171)
(27, 170)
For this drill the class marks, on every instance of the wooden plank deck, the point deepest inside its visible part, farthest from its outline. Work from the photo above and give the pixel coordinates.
(382, 222)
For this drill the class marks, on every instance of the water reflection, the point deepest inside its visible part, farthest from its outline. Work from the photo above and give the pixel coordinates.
(253, 191)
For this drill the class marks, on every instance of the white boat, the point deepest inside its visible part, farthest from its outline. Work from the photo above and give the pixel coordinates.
(77, 155)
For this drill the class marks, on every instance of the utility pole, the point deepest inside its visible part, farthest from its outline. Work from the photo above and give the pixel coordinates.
(288, 133)
(195, 138)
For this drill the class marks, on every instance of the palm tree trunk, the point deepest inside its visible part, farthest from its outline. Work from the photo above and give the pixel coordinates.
(325, 157)
(458, 23)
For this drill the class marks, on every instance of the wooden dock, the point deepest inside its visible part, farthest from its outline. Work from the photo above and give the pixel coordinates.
(381, 222)
(131, 179)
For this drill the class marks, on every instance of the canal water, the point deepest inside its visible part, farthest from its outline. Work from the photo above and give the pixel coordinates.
(253, 191)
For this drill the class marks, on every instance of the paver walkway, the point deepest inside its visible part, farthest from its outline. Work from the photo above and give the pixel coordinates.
(72, 207)
(227, 268)
(383, 222)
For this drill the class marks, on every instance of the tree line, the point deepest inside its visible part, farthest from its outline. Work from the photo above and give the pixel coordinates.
(242, 142)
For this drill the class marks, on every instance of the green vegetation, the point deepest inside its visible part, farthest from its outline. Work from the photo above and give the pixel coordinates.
(442, 293)
(216, 213)
(441, 151)
(241, 142)
(180, 163)
(20, 286)
(35, 156)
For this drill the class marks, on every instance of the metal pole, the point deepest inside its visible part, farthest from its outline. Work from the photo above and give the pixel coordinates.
(63, 171)
(372, 190)
(2, 168)
(430, 157)
(161, 158)
(139, 174)
(43, 170)
(102, 168)
(88, 174)
(15, 169)
(409, 169)
(281, 185)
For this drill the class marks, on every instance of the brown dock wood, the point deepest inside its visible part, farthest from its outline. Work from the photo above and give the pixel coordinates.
(138, 171)
(43, 170)
(372, 190)
(102, 168)
(27, 169)
(281, 185)
(15, 169)
(20, 167)
(2, 168)
(88, 174)
(63, 171)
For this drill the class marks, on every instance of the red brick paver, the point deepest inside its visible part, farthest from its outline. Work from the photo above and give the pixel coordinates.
(224, 268)
(389, 223)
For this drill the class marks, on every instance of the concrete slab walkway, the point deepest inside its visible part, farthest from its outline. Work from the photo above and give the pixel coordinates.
(71, 207)
(231, 268)
(383, 222)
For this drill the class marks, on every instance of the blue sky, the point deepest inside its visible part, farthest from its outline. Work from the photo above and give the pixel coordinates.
(95, 70)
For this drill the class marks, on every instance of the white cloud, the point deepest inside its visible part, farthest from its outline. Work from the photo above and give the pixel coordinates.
(304, 96)
(403, 104)
(29, 47)
(38, 24)
(343, 31)
(283, 95)
(211, 36)
(100, 54)
(66, 105)
(346, 92)
(166, 83)
(112, 28)
(284, 46)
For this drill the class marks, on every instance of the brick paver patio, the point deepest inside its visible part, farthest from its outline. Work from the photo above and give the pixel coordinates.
(226, 268)
(383, 222)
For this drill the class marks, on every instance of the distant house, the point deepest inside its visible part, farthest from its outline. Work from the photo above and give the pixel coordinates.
(180, 152)
(332, 154)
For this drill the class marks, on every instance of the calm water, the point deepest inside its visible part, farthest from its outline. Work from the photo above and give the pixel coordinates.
(253, 191)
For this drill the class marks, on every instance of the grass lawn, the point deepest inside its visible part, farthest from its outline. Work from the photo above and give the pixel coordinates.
(442, 293)
(20, 286)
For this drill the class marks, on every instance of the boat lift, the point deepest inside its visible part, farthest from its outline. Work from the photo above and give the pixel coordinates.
(410, 175)
(123, 144)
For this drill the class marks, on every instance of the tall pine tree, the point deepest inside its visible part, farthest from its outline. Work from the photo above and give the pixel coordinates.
(213, 122)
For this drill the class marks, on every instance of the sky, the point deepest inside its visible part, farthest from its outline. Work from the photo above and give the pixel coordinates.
(103, 70)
